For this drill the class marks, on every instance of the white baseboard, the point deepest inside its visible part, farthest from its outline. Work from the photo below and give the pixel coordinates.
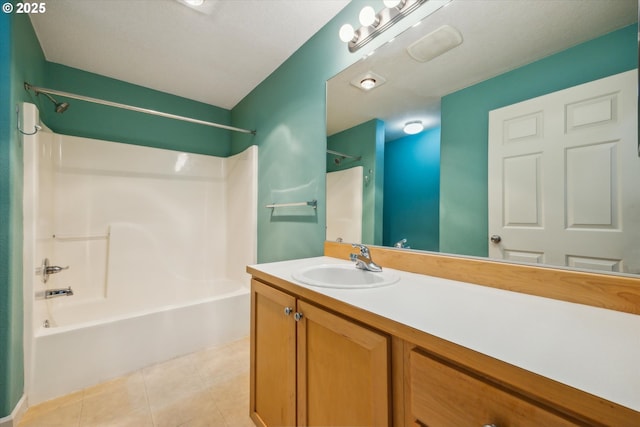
(13, 419)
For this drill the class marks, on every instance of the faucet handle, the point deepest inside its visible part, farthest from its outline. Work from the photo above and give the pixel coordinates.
(364, 251)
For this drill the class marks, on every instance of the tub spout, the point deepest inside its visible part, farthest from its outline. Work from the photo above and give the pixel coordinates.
(52, 293)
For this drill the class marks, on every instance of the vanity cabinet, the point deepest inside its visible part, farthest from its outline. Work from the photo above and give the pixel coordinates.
(311, 367)
(445, 395)
(322, 357)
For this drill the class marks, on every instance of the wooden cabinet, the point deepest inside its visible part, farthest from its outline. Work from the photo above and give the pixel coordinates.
(273, 357)
(310, 367)
(444, 395)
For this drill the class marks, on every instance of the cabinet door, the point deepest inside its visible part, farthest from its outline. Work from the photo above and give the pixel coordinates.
(343, 371)
(273, 357)
(443, 396)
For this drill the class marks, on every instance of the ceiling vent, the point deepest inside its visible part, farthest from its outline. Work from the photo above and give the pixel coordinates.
(435, 44)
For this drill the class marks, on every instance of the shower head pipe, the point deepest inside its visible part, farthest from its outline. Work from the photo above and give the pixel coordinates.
(133, 108)
(343, 156)
(61, 107)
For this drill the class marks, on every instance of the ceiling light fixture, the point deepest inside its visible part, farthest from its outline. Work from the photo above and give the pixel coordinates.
(194, 2)
(368, 83)
(374, 24)
(413, 127)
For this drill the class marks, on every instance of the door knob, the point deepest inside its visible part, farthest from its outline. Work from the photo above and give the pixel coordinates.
(495, 239)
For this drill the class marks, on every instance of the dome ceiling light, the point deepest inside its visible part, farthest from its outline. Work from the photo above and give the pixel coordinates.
(413, 127)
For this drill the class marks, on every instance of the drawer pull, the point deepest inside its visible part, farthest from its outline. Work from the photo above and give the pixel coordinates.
(489, 425)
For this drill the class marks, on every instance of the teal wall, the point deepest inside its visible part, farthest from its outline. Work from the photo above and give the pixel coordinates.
(366, 141)
(463, 188)
(113, 124)
(20, 58)
(412, 190)
(288, 112)
(7, 285)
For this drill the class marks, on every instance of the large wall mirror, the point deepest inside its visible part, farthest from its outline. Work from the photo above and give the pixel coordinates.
(529, 146)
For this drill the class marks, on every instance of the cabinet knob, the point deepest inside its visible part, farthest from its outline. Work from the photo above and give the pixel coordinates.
(288, 311)
(489, 425)
(298, 316)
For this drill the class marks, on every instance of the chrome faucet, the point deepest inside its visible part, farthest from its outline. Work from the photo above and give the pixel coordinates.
(402, 244)
(363, 259)
(46, 270)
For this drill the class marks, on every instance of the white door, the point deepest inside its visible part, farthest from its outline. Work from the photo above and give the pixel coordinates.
(564, 177)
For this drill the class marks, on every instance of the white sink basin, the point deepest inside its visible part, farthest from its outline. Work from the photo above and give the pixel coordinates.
(344, 276)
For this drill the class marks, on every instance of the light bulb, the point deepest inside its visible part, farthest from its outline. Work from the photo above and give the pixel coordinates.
(367, 16)
(368, 83)
(413, 127)
(391, 3)
(347, 33)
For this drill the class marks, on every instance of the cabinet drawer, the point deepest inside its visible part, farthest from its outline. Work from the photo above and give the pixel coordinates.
(442, 395)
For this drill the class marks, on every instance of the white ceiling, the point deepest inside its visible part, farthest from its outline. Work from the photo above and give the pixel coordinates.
(498, 36)
(216, 55)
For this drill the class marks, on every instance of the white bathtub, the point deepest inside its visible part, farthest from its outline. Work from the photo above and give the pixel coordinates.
(80, 353)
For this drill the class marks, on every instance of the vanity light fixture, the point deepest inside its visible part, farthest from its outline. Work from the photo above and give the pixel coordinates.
(393, 3)
(413, 127)
(374, 24)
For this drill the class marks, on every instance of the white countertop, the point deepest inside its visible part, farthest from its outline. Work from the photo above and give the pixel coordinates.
(591, 349)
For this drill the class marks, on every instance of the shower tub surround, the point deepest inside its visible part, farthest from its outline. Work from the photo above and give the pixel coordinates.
(156, 242)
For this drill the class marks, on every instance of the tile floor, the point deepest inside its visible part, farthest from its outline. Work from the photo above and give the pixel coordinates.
(208, 388)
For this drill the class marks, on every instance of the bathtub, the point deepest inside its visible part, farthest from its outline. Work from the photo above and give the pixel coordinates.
(77, 353)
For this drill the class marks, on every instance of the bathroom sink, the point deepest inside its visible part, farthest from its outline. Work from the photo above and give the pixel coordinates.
(344, 276)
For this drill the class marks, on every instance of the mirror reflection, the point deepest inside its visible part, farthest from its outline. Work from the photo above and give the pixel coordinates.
(528, 146)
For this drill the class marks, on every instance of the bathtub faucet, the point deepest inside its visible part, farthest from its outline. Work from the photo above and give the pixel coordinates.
(52, 293)
(46, 269)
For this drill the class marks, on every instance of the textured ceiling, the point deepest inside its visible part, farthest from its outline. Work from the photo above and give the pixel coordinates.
(216, 55)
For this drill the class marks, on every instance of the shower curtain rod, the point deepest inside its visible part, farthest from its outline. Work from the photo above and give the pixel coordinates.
(132, 108)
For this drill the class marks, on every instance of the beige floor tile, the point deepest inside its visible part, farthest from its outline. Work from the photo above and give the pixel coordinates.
(140, 417)
(199, 407)
(53, 404)
(162, 391)
(205, 389)
(130, 384)
(64, 415)
(224, 363)
(115, 402)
